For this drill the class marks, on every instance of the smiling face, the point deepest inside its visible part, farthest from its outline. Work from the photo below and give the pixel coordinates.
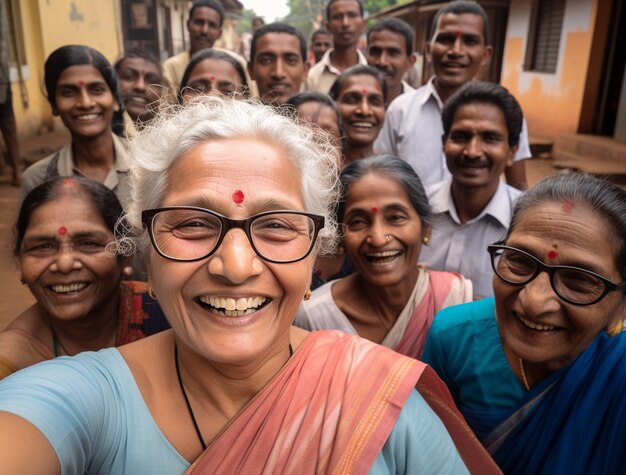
(362, 107)
(140, 85)
(84, 101)
(535, 324)
(345, 22)
(378, 206)
(320, 44)
(277, 67)
(386, 52)
(477, 148)
(204, 29)
(457, 50)
(64, 262)
(213, 77)
(209, 176)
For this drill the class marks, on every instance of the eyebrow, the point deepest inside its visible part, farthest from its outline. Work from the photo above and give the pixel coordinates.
(78, 235)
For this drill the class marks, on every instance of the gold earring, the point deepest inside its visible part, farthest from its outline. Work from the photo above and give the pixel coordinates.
(426, 240)
(307, 294)
(616, 329)
(151, 293)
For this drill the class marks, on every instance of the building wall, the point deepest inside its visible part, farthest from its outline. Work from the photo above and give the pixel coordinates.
(552, 103)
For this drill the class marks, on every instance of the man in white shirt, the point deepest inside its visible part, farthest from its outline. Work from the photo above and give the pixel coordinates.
(482, 124)
(457, 50)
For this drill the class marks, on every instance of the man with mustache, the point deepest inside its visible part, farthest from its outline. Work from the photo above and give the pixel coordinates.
(458, 49)
(344, 20)
(141, 86)
(482, 124)
(390, 42)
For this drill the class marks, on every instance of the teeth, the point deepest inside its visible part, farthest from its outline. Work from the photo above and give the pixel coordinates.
(363, 124)
(383, 254)
(88, 117)
(535, 326)
(232, 307)
(68, 288)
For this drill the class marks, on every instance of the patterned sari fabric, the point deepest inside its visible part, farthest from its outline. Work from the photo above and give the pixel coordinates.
(331, 410)
(573, 422)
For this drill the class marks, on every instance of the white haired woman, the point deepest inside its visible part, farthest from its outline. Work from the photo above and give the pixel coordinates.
(233, 197)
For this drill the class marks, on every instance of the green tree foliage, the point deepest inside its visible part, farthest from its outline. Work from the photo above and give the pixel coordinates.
(245, 22)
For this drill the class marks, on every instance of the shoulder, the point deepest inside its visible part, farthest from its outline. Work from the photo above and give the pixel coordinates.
(176, 60)
(449, 288)
(463, 317)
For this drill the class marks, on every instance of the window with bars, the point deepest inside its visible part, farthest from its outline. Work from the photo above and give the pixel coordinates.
(544, 36)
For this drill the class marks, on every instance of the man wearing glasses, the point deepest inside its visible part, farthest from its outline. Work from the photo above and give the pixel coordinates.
(471, 210)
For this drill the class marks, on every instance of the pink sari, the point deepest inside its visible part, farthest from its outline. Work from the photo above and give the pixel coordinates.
(330, 410)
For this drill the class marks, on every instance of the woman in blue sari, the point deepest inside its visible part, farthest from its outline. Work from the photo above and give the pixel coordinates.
(539, 371)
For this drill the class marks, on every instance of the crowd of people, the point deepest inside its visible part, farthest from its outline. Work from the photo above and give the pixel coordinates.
(271, 264)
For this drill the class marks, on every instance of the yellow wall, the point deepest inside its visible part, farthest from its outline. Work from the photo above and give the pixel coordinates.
(552, 103)
(48, 24)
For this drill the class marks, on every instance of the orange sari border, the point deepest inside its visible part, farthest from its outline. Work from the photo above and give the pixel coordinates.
(329, 410)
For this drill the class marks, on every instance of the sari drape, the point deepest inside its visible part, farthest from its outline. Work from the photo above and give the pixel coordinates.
(331, 410)
(573, 422)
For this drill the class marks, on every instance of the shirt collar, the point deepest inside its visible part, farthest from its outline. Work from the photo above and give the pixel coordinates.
(431, 94)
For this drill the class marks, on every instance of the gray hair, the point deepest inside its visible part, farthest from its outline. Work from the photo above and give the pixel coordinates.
(182, 127)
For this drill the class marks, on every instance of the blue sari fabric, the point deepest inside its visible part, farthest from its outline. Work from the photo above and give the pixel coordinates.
(573, 422)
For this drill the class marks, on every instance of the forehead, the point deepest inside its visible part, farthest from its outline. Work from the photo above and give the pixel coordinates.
(360, 82)
(206, 13)
(140, 64)
(278, 44)
(322, 37)
(344, 6)
(311, 108)
(214, 67)
(464, 22)
(82, 72)
(74, 211)
(378, 187)
(387, 39)
(484, 113)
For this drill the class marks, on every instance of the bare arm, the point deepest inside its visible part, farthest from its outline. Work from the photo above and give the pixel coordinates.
(23, 448)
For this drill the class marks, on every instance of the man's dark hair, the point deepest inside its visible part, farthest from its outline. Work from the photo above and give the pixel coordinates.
(486, 93)
(277, 27)
(358, 70)
(212, 4)
(137, 53)
(395, 25)
(333, 1)
(459, 7)
(320, 31)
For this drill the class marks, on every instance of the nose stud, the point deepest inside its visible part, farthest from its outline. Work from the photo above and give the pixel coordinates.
(388, 238)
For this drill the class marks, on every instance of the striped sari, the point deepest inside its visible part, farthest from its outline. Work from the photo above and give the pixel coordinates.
(330, 410)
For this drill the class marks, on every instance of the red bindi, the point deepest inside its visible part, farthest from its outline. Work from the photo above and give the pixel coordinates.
(81, 83)
(364, 92)
(62, 230)
(568, 206)
(68, 182)
(458, 34)
(374, 210)
(238, 197)
(212, 78)
(552, 254)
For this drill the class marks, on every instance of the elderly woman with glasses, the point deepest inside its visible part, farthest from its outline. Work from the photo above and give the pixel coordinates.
(539, 372)
(233, 197)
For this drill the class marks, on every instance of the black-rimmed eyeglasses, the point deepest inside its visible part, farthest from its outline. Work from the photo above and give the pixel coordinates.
(572, 284)
(187, 233)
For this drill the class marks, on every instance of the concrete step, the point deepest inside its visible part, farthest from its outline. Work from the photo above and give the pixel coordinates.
(591, 152)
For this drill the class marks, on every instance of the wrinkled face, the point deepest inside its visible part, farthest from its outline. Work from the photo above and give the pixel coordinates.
(323, 116)
(141, 85)
(377, 206)
(277, 67)
(237, 178)
(345, 22)
(477, 149)
(362, 107)
(320, 44)
(213, 77)
(535, 324)
(84, 101)
(204, 28)
(64, 262)
(387, 52)
(457, 49)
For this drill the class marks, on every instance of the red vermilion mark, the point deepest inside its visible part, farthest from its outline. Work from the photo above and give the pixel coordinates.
(81, 83)
(364, 91)
(238, 197)
(212, 78)
(552, 254)
(374, 210)
(568, 206)
(68, 182)
(62, 230)
(458, 34)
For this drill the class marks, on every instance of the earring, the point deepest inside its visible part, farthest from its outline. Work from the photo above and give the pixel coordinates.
(368, 239)
(426, 240)
(151, 292)
(616, 329)
(341, 250)
(307, 294)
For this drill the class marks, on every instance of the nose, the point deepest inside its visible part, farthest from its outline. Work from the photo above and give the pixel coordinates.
(474, 148)
(364, 106)
(279, 69)
(378, 234)
(140, 83)
(205, 28)
(537, 297)
(382, 60)
(457, 46)
(235, 262)
(66, 260)
(84, 99)
(345, 21)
